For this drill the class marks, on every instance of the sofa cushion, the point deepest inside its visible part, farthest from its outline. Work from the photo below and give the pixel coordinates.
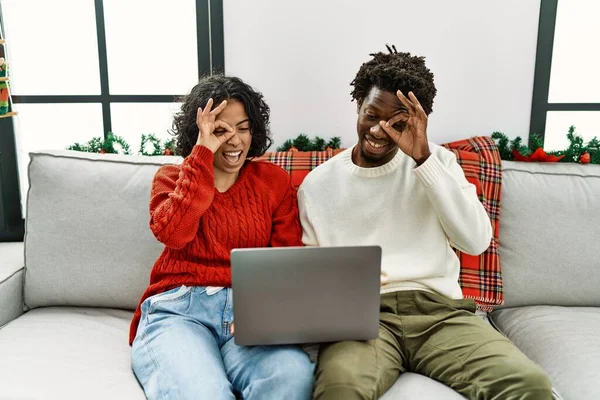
(412, 386)
(68, 353)
(88, 242)
(82, 353)
(550, 233)
(562, 340)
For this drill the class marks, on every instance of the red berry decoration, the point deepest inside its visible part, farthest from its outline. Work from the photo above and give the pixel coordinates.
(102, 151)
(168, 152)
(585, 158)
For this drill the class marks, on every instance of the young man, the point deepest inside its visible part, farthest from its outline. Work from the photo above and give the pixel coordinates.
(397, 190)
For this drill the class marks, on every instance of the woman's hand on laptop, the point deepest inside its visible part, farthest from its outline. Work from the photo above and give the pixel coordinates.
(232, 329)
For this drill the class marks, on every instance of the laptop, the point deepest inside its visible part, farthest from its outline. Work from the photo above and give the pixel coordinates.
(293, 295)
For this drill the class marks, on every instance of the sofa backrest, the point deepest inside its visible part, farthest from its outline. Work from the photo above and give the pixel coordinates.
(87, 240)
(549, 234)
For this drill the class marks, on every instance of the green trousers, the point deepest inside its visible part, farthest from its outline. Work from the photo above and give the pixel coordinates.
(438, 337)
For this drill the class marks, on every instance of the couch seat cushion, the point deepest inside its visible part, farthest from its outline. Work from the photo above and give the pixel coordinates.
(82, 353)
(418, 387)
(67, 353)
(562, 340)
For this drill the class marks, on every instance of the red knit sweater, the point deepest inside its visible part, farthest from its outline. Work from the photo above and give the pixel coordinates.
(200, 226)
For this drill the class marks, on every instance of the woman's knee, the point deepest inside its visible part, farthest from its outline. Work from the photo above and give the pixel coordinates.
(286, 373)
(295, 368)
(169, 367)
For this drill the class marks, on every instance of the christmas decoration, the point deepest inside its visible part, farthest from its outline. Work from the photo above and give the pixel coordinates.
(577, 152)
(304, 143)
(5, 103)
(585, 158)
(150, 146)
(112, 144)
(170, 147)
(539, 156)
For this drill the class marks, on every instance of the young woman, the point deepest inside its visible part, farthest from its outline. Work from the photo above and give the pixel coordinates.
(215, 201)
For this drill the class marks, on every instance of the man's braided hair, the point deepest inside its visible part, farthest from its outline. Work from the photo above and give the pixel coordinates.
(396, 71)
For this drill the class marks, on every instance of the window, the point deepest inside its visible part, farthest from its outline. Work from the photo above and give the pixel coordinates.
(566, 87)
(84, 68)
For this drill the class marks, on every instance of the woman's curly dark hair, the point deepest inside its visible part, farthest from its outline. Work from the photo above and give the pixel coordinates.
(219, 88)
(393, 71)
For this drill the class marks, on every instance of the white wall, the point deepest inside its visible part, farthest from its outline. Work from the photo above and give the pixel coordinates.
(303, 54)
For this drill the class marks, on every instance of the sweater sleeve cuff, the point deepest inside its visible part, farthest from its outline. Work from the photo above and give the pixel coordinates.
(430, 171)
(201, 155)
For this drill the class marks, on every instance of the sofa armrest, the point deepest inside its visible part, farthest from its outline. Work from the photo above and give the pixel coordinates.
(12, 273)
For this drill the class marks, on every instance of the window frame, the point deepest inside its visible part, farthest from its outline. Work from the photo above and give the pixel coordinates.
(543, 64)
(211, 58)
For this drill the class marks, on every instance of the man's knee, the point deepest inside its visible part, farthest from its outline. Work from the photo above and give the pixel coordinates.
(528, 382)
(534, 383)
(338, 379)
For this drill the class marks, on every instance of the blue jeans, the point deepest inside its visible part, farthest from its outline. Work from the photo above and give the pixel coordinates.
(184, 350)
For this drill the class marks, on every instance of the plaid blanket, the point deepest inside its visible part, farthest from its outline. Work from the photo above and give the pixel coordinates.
(480, 276)
(299, 163)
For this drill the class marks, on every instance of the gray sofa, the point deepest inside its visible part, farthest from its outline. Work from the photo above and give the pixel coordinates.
(65, 308)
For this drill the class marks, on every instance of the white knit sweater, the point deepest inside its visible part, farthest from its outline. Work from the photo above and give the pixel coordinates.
(411, 212)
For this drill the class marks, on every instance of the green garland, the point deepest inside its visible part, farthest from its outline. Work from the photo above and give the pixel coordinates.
(304, 143)
(577, 152)
(150, 145)
(117, 145)
(112, 144)
(154, 141)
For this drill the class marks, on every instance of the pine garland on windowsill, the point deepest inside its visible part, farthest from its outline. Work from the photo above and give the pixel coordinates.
(304, 143)
(150, 146)
(112, 144)
(577, 152)
(158, 148)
